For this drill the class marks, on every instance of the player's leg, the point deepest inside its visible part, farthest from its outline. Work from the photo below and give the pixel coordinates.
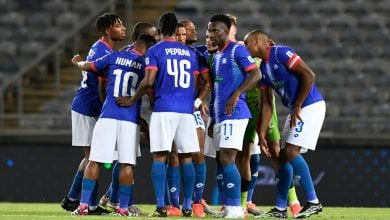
(82, 128)
(102, 151)
(173, 180)
(304, 136)
(200, 168)
(187, 143)
(128, 144)
(162, 130)
(228, 147)
(243, 160)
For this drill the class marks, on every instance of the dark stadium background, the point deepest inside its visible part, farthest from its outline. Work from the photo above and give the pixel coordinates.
(346, 43)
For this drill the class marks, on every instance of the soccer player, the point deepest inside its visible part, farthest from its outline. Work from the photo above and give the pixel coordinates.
(110, 200)
(87, 105)
(285, 72)
(170, 68)
(234, 72)
(203, 85)
(181, 33)
(117, 127)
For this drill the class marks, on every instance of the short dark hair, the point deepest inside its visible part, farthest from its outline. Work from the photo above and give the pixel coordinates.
(221, 18)
(259, 32)
(179, 25)
(140, 28)
(167, 24)
(106, 20)
(147, 39)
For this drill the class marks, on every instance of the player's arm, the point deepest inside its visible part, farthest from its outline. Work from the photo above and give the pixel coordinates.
(265, 117)
(204, 92)
(251, 80)
(145, 85)
(102, 88)
(307, 77)
(82, 65)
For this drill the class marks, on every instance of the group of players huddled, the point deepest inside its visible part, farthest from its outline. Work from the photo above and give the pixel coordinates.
(190, 101)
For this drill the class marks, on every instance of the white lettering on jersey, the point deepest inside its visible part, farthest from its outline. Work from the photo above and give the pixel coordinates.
(177, 51)
(127, 62)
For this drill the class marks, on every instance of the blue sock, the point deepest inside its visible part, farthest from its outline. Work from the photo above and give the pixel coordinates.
(75, 189)
(167, 195)
(88, 186)
(221, 186)
(200, 178)
(285, 175)
(188, 175)
(131, 198)
(301, 169)
(158, 178)
(94, 196)
(173, 180)
(114, 195)
(232, 179)
(254, 164)
(124, 195)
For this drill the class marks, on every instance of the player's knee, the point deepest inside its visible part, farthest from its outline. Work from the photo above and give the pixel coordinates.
(283, 157)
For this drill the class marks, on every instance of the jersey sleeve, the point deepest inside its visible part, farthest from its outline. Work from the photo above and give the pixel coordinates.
(288, 57)
(151, 60)
(100, 64)
(244, 59)
(202, 64)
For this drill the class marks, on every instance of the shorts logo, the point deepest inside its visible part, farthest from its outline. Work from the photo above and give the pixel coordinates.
(256, 174)
(173, 189)
(230, 185)
(199, 185)
(219, 177)
(296, 135)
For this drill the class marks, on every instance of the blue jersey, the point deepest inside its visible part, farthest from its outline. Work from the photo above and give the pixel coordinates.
(86, 100)
(278, 73)
(174, 87)
(125, 72)
(229, 69)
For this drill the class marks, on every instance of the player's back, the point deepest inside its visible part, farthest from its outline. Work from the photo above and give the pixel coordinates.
(277, 72)
(174, 86)
(125, 72)
(86, 100)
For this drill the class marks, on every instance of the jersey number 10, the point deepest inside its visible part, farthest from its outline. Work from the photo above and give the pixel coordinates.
(180, 73)
(125, 82)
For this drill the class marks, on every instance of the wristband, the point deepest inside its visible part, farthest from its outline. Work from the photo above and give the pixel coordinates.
(197, 102)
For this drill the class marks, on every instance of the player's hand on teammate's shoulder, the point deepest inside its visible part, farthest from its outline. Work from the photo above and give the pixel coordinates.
(76, 58)
(124, 101)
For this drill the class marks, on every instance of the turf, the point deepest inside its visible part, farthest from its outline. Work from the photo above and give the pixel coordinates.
(53, 211)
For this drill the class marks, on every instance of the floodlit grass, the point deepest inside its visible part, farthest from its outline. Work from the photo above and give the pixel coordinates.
(53, 211)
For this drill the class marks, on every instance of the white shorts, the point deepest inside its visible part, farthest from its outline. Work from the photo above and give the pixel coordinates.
(82, 128)
(199, 123)
(254, 147)
(230, 134)
(209, 148)
(110, 135)
(305, 134)
(168, 126)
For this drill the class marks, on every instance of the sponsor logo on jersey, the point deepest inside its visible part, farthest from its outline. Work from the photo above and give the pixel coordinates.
(277, 84)
(218, 78)
(224, 61)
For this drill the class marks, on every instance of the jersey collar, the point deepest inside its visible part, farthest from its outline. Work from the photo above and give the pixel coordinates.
(105, 42)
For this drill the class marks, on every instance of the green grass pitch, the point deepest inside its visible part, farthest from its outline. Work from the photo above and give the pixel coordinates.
(32, 211)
